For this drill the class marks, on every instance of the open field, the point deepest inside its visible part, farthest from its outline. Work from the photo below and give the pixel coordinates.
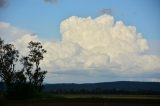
(104, 96)
(88, 100)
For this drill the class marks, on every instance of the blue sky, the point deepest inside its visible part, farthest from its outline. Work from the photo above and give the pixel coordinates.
(94, 52)
(44, 18)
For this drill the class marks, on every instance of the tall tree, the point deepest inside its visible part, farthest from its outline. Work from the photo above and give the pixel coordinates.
(8, 58)
(31, 64)
(23, 83)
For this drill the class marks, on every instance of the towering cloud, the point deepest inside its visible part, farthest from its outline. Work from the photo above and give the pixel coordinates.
(97, 46)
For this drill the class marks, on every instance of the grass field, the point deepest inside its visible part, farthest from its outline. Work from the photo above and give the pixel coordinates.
(103, 96)
(87, 100)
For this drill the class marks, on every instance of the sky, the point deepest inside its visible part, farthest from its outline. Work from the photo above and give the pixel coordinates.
(88, 40)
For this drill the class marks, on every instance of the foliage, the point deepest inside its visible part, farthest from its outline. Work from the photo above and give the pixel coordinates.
(8, 58)
(26, 82)
(37, 76)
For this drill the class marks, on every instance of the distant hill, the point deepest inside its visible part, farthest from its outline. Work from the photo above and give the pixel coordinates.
(119, 87)
(106, 87)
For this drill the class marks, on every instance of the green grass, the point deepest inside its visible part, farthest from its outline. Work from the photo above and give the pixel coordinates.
(50, 96)
(50, 99)
(100, 96)
(110, 96)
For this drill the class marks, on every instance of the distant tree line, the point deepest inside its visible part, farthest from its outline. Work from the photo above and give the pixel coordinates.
(26, 82)
(104, 91)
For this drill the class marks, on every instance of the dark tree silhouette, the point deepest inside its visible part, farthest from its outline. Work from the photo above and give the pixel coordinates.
(26, 82)
(8, 58)
(31, 64)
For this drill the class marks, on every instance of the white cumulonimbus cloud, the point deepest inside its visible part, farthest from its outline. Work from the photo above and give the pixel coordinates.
(94, 46)
(11, 33)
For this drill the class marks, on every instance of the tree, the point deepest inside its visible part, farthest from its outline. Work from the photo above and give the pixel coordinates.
(8, 58)
(23, 83)
(31, 64)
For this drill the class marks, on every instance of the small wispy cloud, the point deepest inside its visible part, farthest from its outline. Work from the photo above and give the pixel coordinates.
(105, 11)
(51, 1)
(2, 3)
